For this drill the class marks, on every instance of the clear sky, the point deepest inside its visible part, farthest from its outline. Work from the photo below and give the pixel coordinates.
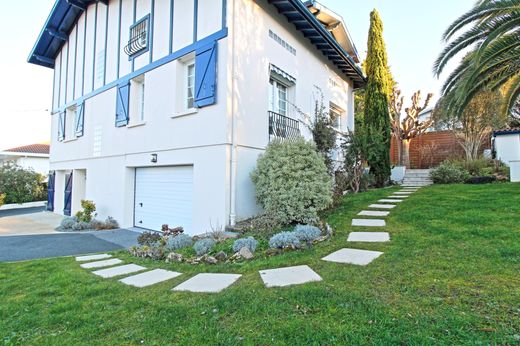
(413, 29)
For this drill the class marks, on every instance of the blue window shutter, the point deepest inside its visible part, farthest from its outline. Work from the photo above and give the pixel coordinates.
(80, 116)
(61, 126)
(123, 98)
(206, 75)
(50, 191)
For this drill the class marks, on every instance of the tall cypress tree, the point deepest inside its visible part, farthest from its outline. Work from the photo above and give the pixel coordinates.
(377, 96)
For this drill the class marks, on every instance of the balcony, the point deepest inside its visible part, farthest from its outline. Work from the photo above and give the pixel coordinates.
(283, 127)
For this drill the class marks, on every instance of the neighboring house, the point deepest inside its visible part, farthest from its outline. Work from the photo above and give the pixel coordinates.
(162, 107)
(506, 144)
(34, 156)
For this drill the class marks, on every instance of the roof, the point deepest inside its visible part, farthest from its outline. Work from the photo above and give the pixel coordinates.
(509, 131)
(335, 24)
(301, 17)
(30, 149)
(56, 30)
(65, 14)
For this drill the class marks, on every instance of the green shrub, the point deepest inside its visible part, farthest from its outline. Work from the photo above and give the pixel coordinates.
(449, 173)
(86, 214)
(284, 240)
(292, 182)
(21, 185)
(249, 242)
(2, 199)
(204, 246)
(149, 238)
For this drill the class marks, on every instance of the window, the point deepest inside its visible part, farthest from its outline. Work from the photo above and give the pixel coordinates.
(336, 114)
(277, 97)
(137, 100)
(138, 39)
(190, 85)
(71, 120)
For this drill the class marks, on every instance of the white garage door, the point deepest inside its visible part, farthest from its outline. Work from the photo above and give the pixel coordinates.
(164, 195)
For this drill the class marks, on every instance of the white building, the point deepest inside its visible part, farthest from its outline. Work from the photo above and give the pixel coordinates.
(33, 156)
(161, 107)
(506, 144)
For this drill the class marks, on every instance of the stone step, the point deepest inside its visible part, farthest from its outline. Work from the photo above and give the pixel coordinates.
(382, 206)
(369, 237)
(288, 276)
(208, 283)
(100, 264)
(118, 271)
(373, 213)
(353, 256)
(149, 278)
(368, 222)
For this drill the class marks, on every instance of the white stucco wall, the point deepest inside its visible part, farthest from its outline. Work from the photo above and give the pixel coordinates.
(508, 147)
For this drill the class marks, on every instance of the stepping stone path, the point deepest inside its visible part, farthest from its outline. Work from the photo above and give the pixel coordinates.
(353, 256)
(382, 206)
(150, 278)
(118, 271)
(100, 264)
(373, 213)
(208, 283)
(288, 276)
(369, 237)
(276, 277)
(368, 222)
(93, 257)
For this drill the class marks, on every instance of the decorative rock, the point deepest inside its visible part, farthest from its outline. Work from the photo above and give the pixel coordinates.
(245, 253)
(221, 256)
(353, 256)
(210, 260)
(382, 206)
(174, 257)
(368, 222)
(208, 283)
(373, 213)
(280, 277)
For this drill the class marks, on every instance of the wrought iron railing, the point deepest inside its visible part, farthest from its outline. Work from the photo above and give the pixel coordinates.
(137, 42)
(281, 126)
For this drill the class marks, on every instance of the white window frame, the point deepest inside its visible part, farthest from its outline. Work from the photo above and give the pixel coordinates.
(189, 85)
(337, 115)
(71, 120)
(137, 106)
(275, 89)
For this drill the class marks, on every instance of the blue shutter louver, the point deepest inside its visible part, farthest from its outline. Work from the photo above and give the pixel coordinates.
(206, 75)
(67, 203)
(61, 126)
(123, 98)
(80, 116)
(50, 191)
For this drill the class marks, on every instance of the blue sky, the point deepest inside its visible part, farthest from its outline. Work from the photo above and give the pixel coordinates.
(413, 29)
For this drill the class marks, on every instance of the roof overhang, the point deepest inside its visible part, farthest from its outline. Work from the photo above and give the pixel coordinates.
(299, 15)
(506, 132)
(56, 30)
(11, 154)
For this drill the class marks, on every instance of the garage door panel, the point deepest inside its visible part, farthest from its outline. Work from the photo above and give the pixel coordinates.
(164, 195)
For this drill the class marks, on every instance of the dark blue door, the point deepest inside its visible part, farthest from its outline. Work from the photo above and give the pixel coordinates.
(50, 191)
(68, 195)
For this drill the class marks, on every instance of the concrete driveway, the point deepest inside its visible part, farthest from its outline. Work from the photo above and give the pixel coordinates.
(29, 234)
(28, 221)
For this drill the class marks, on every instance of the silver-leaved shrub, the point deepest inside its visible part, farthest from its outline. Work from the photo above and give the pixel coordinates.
(292, 183)
(307, 233)
(284, 240)
(178, 242)
(203, 246)
(249, 242)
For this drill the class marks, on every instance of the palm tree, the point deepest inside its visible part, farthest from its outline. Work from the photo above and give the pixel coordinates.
(491, 33)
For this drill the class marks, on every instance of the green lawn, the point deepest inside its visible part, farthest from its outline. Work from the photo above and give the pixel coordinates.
(450, 275)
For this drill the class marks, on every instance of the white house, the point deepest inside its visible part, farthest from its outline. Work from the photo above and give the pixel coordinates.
(33, 156)
(506, 144)
(161, 107)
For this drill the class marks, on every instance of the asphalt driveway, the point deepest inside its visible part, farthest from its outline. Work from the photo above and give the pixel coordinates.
(28, 247)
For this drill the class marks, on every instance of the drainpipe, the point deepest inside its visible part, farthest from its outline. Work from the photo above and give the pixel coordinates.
(233, 163)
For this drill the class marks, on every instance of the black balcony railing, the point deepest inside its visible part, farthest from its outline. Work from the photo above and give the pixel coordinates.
(281, 126)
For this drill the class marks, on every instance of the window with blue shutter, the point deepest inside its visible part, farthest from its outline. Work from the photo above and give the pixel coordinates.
(80, 116)
(61, 126)
(50, 191)
(206, 75)
(123, 99)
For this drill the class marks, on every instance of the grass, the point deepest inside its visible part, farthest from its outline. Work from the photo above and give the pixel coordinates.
(450, 275)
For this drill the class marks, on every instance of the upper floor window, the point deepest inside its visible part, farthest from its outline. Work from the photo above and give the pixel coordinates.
(137, 98)
(190, 85)
(139, 37)
(277, 97)
(336, 115)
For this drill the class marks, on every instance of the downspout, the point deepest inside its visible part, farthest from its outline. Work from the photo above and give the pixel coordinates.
(233, 163)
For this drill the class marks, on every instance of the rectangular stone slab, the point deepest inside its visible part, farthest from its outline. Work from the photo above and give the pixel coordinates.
(369, 237)
(149, 278)
(373, 213)
(398, 196)
(353, 256)
(92, 257)
(118, 271)
(208, 283)
(280, 277)
(403, 193)
(385, 200)
(100, 264)
(382, 206)
(368, 222)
